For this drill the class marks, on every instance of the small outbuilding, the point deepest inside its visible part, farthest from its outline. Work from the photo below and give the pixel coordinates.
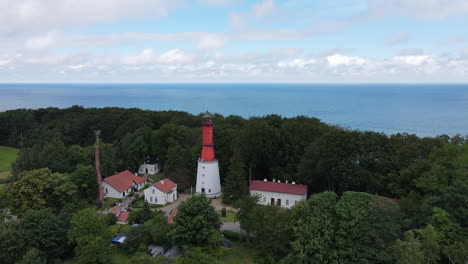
(149, 167)
(278, 193)
(164, 191)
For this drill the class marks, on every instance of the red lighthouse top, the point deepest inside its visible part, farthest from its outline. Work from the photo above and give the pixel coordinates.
(207, 147)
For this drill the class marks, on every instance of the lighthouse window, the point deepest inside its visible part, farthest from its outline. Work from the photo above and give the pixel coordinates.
(202, 182)
(203, 175)
(203, 167)
(209, 190)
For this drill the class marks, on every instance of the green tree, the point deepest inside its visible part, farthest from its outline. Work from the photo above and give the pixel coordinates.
(96, 250)
(137, 237)
(12, 245)
(159, 229)
(314, 227)
(84, 177)
(246, 207)
(33, 256)
(195, 255)
(144, 258)
(408, 251)
(39, 189)
(235, 184)
(146, 213)
(195, 221)
(44, 230)
(85, 225)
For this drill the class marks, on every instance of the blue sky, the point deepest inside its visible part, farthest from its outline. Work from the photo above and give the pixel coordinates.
(311, 41)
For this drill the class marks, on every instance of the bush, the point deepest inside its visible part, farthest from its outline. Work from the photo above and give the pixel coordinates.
(223, 212)
(230, 235)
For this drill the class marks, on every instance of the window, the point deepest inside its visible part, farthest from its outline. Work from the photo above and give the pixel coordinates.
(123, 193)
(278, 202)
(295, 202)
(202, 182)
(155, 199)
(151, 199)
(287, 202)
(272, 201)
(106, 191)
(203, 175)
(264, 199)
(153, 191)
(209, 190)
(203, 167)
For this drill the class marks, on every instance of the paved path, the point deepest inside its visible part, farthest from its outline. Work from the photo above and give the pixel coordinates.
(232, 226)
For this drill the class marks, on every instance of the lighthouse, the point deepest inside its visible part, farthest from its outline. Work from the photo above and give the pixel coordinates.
(208, 182)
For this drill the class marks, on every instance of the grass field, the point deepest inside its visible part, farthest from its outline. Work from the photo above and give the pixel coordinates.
(7, 156)
(238, 254)
(230, 216)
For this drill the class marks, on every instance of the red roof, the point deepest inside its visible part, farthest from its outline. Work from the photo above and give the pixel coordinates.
(165, 185)
(123, 216)
(170, 220)
(123, 180)
(116, 209)
(278, 187)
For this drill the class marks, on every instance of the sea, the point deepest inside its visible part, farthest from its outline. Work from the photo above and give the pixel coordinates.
(421, 109)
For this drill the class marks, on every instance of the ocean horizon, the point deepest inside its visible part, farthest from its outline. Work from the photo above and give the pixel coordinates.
(421, 109)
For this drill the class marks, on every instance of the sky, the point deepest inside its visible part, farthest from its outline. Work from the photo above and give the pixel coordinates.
(225, 41)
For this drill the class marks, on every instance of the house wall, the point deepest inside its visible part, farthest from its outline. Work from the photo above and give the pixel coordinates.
(287, 200)
(111, 192)
(152, 169)
(155, 196)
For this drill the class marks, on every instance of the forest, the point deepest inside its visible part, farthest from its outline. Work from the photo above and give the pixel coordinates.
(373, 198)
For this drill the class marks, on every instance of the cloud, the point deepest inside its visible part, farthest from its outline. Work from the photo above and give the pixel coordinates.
(264, 8)
(419, 9)
(399, 39)
(215, 2)
(212, 42)
(237, 19)
(21, 16)
(453, 40)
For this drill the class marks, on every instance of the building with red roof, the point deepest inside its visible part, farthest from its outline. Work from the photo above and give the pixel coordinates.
(283, 194)
(122, 218)
(121, 184)
(162, 192)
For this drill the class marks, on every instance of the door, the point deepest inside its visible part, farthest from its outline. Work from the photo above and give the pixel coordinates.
(272, 201)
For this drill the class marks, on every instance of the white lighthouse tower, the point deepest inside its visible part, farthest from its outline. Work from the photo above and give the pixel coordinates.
(208, 182)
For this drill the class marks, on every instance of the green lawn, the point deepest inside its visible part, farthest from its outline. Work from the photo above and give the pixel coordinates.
(230, 216)
(7, 157)
(238, 254)
(157, 177)
(109, 202)
(120, 256)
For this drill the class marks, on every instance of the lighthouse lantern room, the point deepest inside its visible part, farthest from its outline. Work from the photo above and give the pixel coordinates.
(208, 182)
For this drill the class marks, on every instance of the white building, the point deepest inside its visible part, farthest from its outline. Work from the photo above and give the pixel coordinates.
(149, 167)
(164, 191)
(208, 181)
(121, 184)
(277, 193)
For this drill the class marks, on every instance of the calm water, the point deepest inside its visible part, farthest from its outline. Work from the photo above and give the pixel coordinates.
(426, 110)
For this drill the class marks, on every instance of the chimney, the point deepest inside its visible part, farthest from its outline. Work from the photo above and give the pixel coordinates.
(136, 173)
(293, 182)
(162, 181)
(265, 180)
(274, 180)
(286, 181)
(279, 181)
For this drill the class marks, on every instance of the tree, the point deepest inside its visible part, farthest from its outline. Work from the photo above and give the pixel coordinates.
(86, 225)
(96, 250)
(84, 177)
(235, 184)
(12, 245)
(146, 213)
(195, 221)
(136, 237)
(246, 207)
(314, 227)
(195, 255)
(408, 251)
(39, 189)
(144, 258)
(159, 229)
(44, 230)
(33, 256)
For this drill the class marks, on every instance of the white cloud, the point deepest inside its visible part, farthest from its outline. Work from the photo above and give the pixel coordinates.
(175, 56)
(264, 8)
(337, 60)
(212, 41)
(145, 57)
(18, 16)
(413, 60)
(215, 2)
(237, 19)
(419, 9)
